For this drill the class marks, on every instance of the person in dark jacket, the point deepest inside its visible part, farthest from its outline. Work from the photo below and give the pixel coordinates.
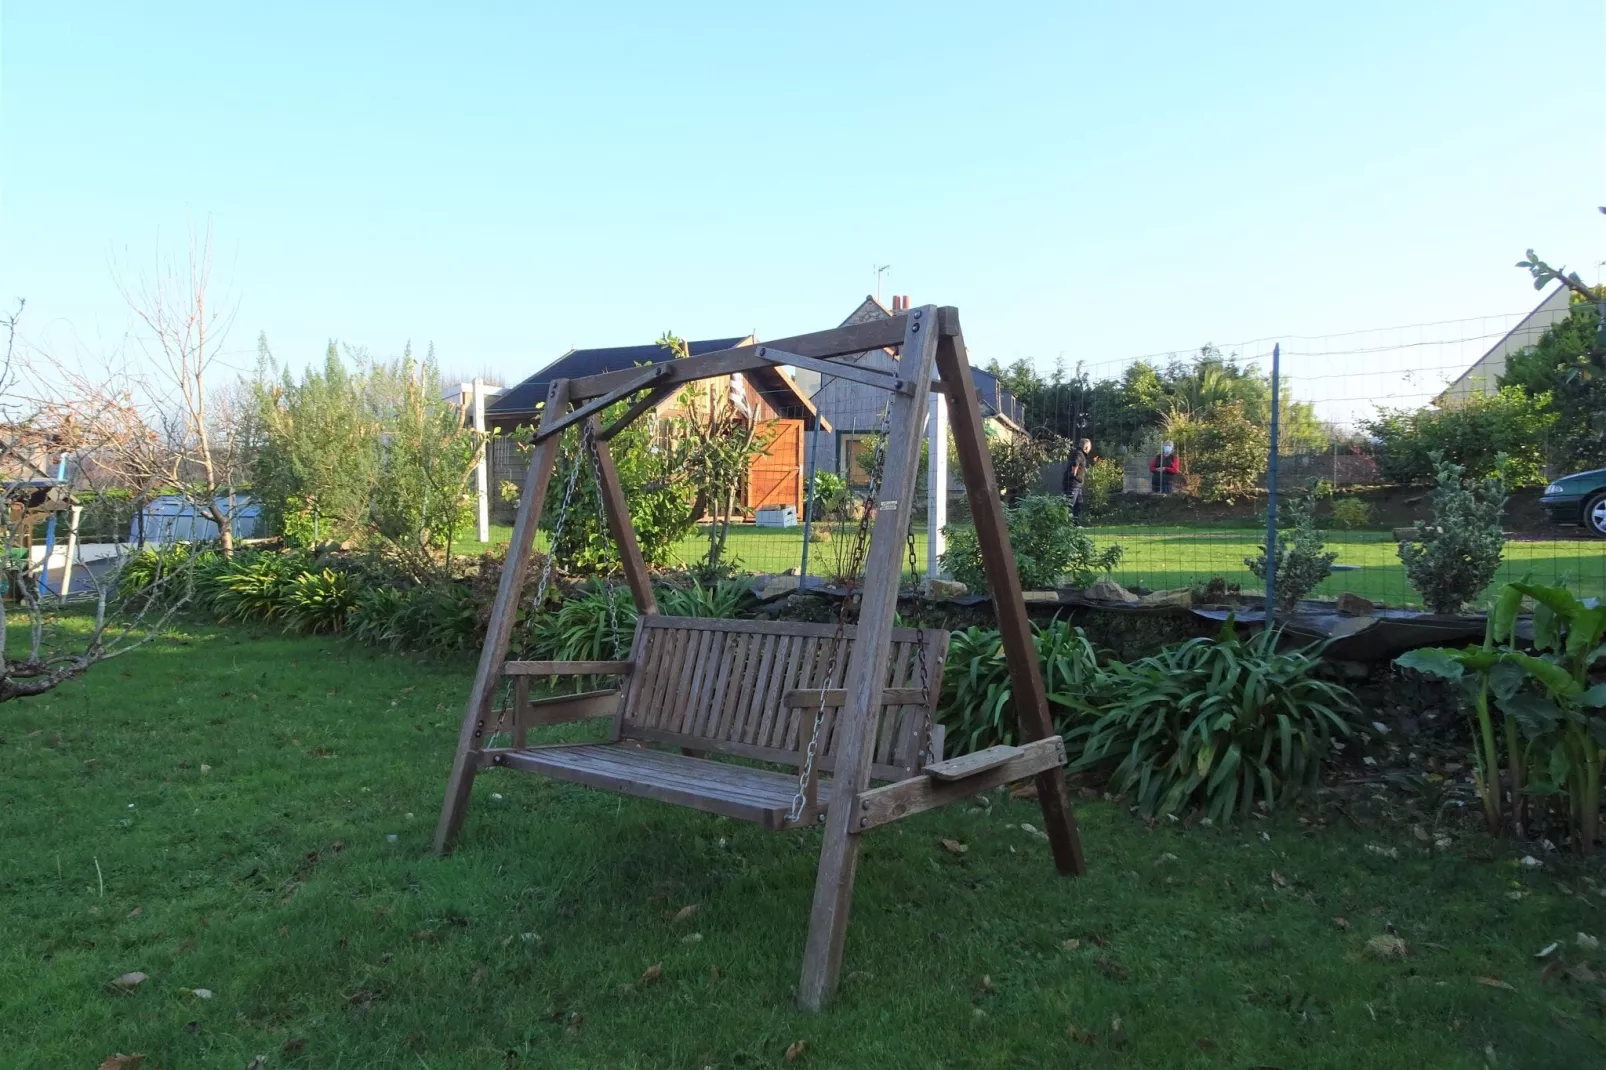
(1162, 469)
(1076, 469)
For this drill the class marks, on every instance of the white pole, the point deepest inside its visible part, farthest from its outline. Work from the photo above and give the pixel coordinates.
(73, 516)
(936, 481)
(482, 473)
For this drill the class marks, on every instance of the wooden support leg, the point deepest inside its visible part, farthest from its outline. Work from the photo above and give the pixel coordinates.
(504, 611)
(1025, 675)
(868, 666)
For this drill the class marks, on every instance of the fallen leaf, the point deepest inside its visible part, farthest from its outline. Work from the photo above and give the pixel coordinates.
(425, 936)
(294, 1046)
(122, 1062)
(1278, 880)
(1546, 951)
(1421, 833)
(1071, 944)
(1586, 942)
(1494, 982)
(1386, 852)
(713, 973)
(1341, 922)
(261, 1060)
(986, 984)
(652, 973)
(795, 1051)
(205, 768)
(284, 930)
(202, 993)
(136, 912)
(1530, 862)
(130, 981)
(1033, 830)
(1383, 945)
(576, 1020)
(1204, 1043)
(685, 912)
(692, 938)
(1029, 791)
(954, 846)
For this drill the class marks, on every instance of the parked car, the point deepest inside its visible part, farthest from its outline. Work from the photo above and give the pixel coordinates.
(1579, 499)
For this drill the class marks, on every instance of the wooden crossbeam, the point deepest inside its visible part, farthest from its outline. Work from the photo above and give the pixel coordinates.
(838, 369)
(841, 342)
(642, 377)
(878, 806)
(650, 400)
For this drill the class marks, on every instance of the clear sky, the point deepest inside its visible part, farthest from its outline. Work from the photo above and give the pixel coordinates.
(507, 180)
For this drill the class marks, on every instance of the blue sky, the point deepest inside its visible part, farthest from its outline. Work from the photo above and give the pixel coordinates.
(1098, 181)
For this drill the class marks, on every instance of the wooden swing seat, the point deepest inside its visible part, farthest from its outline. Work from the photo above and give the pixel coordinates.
(746, 689)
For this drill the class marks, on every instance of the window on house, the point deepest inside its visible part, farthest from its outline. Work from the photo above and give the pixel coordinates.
(857, 454)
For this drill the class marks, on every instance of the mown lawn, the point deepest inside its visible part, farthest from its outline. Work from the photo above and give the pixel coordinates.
(1162, 558)
(250, 814)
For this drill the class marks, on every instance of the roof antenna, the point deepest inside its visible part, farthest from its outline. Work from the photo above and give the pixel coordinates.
(880, 271)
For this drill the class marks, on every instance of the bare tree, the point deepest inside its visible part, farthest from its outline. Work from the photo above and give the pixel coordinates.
(199, 420)
(58, 647)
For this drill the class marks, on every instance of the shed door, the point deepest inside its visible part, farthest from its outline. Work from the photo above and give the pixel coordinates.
(775, 477)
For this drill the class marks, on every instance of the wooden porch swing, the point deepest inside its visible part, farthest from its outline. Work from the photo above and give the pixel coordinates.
(854, 702)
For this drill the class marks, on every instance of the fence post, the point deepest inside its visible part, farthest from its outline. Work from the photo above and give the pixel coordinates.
(936, 484)
(808, 502)
(1271, 490)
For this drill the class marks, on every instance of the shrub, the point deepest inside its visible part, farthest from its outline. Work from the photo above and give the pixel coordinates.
(319, 602)
(719, 600)
(1219, 723)
(1551, 716)
(1300, 561)
(1451, 563)
(375, 614)
(1351, 513)
(1018, 463)
(1047, 545)
(1226, 454)
(1473, 432)
(256, 587)
(1105, 479)
(975, 705)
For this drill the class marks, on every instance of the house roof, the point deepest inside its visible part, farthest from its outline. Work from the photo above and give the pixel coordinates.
(524, 399)
(1480, 378)
(518, 403)
(995, 397)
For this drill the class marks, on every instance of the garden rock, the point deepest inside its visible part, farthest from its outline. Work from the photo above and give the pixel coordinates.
(1110, 591)
(768, 587)
(1178, 596)
(936, 588)
(1353, 605)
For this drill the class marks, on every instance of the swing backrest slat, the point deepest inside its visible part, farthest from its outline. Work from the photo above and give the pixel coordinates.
(720, 686)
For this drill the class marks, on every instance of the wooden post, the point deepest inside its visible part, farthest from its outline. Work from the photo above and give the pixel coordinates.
(868, 665)
(617, 511)
(504, 611)
(1025, 675)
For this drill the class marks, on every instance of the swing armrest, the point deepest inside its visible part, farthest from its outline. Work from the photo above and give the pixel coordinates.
(567, 668)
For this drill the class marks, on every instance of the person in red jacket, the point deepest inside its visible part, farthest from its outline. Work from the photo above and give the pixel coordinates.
(1162, 468)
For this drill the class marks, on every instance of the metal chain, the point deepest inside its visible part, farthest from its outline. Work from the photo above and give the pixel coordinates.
(557, 532)
(588, 442)
(856, 562)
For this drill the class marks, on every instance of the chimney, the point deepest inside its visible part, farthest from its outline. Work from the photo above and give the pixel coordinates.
(897, 304)
(906, 302)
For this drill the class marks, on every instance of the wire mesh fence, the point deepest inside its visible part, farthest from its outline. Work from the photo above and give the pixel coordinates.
(1179, 456)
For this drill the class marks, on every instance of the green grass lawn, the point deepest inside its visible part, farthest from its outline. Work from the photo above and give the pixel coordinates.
(251, 814)
(1163, 558)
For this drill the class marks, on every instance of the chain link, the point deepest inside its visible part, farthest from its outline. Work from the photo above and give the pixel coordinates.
(856, 563)
(588, 442)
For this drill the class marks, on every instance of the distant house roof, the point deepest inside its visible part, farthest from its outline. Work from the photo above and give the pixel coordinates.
(996, 396)
(517, 404)
(524, 399)
(1484, 375)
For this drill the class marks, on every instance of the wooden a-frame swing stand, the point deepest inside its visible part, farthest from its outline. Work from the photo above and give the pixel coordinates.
(695, 688)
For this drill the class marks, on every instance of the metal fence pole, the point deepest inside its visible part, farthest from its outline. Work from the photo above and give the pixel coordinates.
(808, 502)
(1271, 490)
